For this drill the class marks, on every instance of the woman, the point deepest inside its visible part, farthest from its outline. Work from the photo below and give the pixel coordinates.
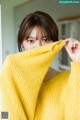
(38, 29)
(31, 89)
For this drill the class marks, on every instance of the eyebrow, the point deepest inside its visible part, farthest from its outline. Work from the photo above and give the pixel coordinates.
(34, 37)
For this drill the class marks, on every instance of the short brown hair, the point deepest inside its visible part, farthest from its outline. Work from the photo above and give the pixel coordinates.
(37, 18)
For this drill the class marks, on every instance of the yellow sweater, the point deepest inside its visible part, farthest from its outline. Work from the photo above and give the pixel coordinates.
(24, 94)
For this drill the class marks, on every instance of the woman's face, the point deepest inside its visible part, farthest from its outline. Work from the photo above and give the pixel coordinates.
(36, 39)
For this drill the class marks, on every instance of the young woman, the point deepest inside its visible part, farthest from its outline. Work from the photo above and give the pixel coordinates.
(38, 29)
(30, 88)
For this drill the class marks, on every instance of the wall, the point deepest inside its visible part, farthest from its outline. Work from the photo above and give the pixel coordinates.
(8, 26)
(52, 7)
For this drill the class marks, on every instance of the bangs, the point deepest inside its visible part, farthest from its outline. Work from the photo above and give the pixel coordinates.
(40, 31)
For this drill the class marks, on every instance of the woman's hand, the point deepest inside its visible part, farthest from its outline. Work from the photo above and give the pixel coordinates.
(73, 48)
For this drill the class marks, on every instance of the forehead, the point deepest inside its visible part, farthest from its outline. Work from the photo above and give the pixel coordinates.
(37, 32)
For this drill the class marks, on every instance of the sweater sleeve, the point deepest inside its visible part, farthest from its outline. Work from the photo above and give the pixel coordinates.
(21, 79)
(11, 106)
(19, 87)
(71, 95)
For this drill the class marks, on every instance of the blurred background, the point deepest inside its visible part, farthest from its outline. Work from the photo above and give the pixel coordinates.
(66, 16)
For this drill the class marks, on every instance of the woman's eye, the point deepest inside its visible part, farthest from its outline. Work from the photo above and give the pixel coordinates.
(30, 41)
(46, 40)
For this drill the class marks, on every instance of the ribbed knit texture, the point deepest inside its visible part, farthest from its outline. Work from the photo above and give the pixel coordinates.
(24, 94)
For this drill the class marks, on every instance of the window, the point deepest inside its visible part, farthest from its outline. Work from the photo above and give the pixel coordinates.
(68, 28)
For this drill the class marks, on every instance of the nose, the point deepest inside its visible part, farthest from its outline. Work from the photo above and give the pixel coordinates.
(38, 43)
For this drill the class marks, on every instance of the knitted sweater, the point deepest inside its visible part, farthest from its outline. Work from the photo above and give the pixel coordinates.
(24, 94)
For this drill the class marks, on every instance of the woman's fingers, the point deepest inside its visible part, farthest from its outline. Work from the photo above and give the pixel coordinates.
(72, 46)
(72, 43)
